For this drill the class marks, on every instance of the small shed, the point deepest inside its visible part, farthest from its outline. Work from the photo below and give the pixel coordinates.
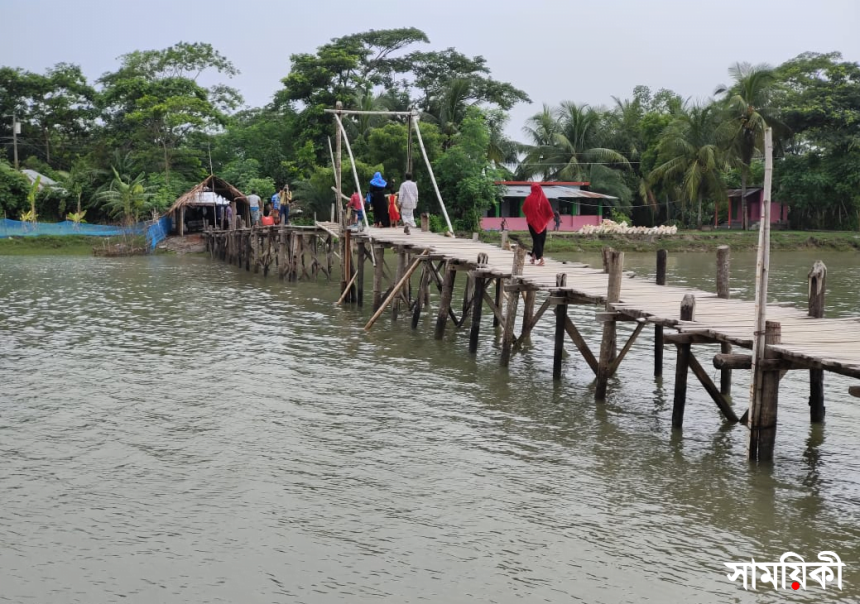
(206, 204)
(778, 210)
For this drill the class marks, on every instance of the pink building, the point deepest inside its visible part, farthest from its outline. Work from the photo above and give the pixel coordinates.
(778, 211)
(575, 207)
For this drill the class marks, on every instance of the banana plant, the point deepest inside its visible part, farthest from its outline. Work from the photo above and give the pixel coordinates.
(31, 197)
(77, 217)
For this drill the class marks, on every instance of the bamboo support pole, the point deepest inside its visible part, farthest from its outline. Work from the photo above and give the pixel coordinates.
(346, 290)
(359, 288)
(499, 293)
(762, 421)
(688, 310)
(614, 266)
(395, 290)
(445, 301)
(817, 282)
(560, 331)
(423, 289)
(723, 274)
(414, 120)
(378, 276)
(355, 175)
(480, 284)
(402, 267)
(662, 258)
(511, 312)
(761, 279)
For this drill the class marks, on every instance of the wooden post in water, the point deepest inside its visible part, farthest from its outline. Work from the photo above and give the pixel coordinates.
(723, 272)
(346, 273)
(723, 260)
(499, 292)
(282, 252)
(378, 276)
(528, 314)
(762, 420)
(560, 332)
(467, 298)
(688, 311)
(295, 252)
(478, 303)
(402, 265)
(817, 280)
(662, 258)
(513, 302)
(246, 236)
(445, 302)
(614, 262)
(359, 280)
(423, 292)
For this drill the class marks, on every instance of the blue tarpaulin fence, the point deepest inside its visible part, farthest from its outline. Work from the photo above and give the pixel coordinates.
(157, 231)
(154, 231)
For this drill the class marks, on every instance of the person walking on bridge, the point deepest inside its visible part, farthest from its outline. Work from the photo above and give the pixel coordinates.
(408, 197)
(539, 214)
(379, 201)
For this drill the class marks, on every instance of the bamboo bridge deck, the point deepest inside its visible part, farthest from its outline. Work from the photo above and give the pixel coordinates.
(831, 344)
(794, 340)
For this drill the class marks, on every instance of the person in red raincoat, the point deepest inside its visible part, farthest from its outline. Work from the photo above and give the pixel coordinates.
(539, 214)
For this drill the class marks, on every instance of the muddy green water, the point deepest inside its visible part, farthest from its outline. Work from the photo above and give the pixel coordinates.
(176, 430)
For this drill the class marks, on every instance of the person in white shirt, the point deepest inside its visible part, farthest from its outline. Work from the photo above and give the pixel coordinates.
(408, 197)
(254, 204)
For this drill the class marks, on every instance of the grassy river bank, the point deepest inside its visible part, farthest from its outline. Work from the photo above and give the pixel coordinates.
(62, 245)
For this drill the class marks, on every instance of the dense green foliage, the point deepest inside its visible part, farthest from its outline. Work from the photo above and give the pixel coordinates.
(135, 139)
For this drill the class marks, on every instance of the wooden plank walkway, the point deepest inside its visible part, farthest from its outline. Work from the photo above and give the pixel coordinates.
(830, 344)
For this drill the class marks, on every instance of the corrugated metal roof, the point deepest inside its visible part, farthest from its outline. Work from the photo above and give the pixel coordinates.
(737, 192)
(554, 192)
(32, 175)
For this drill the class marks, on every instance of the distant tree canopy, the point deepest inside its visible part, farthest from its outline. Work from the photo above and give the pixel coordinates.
(139, 136)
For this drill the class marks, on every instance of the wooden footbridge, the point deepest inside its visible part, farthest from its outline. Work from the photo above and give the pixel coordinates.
(498, 279)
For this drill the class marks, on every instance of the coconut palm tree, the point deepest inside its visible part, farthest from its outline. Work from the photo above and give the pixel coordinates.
(748, 103)
(566, 142)
(692, 151)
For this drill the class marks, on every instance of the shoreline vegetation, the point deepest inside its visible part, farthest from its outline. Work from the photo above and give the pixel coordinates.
(684, 241)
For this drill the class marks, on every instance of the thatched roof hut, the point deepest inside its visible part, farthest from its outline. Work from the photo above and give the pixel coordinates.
(212, 191)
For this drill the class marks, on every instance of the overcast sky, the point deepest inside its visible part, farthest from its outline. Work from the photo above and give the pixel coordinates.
(580, 50)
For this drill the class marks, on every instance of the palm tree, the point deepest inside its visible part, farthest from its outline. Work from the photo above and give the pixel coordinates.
(566, 141)
(366, 101)
(748, 104)
(448, 107)
(692, 151)
(126, 197)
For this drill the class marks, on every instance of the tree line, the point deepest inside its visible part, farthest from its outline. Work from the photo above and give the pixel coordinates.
(136, 138)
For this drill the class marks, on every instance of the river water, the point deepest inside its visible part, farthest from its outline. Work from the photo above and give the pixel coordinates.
(173, 429)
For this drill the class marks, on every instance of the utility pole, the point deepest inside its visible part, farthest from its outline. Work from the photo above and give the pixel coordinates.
(16, 129)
